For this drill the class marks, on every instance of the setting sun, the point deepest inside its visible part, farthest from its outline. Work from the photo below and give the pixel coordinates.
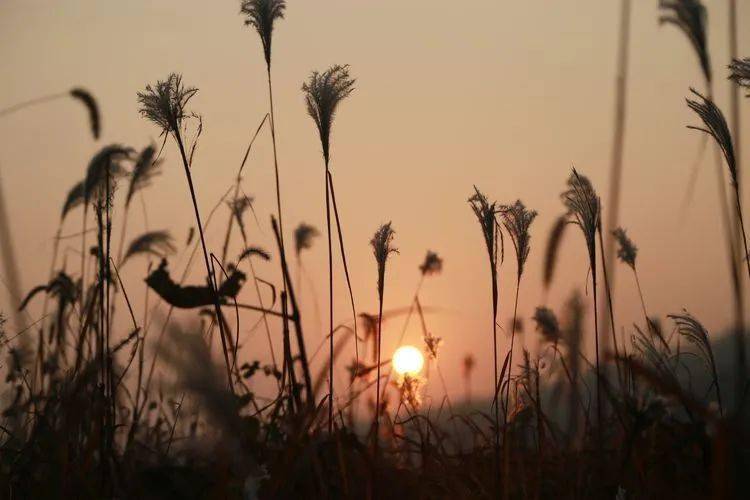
(408, 360)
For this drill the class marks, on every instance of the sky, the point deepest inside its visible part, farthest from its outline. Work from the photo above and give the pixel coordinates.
(507, 96)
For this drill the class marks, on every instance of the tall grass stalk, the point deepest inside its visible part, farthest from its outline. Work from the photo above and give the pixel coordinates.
(236, 215)
(517, 220)
(485, 213)
(262, 15)
(690, 17)
(584, 207)
(382, 247)
(164, 104)
(323, 94)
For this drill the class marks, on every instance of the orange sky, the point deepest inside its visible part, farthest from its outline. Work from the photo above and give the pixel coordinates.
(505, 95)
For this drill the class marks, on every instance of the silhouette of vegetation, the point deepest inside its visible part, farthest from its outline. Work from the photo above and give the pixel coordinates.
(144, 406)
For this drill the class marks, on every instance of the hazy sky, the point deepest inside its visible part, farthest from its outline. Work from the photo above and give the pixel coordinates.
(506, 95)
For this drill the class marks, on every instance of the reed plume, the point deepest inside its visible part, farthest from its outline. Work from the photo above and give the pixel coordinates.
(73, 199)
(106, 164)
(323, 94)
(695, 333)
(432, 264)
(254, 252)
(553, 246)
(547, 324)
(146, 167)
(85, 97)
(261, 15)
(516, 219)
(626, 251)
(740, 72)
(689, 16)
(303, 237)
(158, 243)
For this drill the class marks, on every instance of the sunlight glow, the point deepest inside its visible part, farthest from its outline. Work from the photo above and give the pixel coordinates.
(408, 360)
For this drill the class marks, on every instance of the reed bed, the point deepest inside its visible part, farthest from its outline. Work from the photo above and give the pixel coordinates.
(90, 409)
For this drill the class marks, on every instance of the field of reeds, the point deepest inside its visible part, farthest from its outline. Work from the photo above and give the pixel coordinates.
(202, 379)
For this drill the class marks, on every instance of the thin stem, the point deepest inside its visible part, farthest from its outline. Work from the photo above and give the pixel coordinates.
(209, 274)
(596, 345)
(295, 317)
(610, 308)
(330, 302)
(732, 234)
(343, 260)
(275, 160)
(31, 102)
(376, 437)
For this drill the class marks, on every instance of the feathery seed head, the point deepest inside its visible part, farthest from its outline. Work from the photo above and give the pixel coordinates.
(323, 93)
(695, 333)
(89, 102)
(716, 127)
(382, 247)
(158, 243)
(75, 197)
(165, 103)
(432, 345)
(690, 17)
(105, 164)
(547, 324)
(261, 15)
(254, 251)
(583, 205)
(517, 220)
(303, 237)
(411, 389)
(741, 72)
(432, 264)
(145, 169)
(627, 251)
(485, 213)
(240, 205)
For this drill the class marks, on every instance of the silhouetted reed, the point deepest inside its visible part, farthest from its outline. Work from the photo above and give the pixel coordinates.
(740, 72)
(158, 243)
(689, 16)
(485, 213)
(584, 208)
(79, 94)
(262, 15)
(695, 333)
(716, 127)
(323, 94)
(382, 247)
(165, 105)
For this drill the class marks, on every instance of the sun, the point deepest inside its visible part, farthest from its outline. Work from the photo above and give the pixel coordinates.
(408, 360)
